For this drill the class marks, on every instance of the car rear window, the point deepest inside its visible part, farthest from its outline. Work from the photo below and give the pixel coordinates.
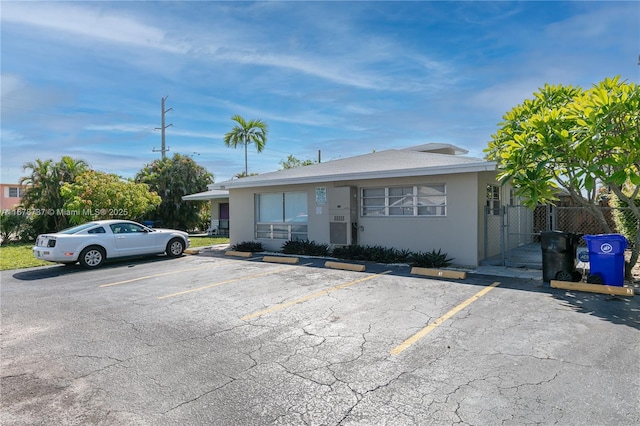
(79, 228)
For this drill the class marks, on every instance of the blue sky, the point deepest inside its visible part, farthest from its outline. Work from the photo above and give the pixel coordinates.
(86, 79)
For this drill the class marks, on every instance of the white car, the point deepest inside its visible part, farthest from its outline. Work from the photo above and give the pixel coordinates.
(93, 242)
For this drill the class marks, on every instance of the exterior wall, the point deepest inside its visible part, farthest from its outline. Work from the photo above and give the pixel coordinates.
(7, 202)
(459, 234)
(214, 206)
(242, 215)
(455, 234)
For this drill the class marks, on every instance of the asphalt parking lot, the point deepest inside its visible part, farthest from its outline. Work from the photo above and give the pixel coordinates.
(217, 340)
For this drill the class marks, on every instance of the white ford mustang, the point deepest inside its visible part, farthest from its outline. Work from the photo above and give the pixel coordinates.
(93, 242)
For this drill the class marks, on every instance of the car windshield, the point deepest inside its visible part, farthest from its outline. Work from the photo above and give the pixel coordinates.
(79, 228)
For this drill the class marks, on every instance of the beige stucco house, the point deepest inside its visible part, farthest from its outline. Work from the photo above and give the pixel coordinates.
(420, 199)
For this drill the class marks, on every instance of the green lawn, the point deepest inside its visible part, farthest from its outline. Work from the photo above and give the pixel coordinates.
(18, 256)
(208, 241)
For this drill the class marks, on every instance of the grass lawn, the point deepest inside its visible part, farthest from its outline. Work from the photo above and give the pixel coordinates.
(18, 256)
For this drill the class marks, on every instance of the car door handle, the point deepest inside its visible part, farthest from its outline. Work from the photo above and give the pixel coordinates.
(120, 238)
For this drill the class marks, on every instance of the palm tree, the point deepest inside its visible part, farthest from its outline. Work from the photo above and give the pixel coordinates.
(43, 190)
(246, 132)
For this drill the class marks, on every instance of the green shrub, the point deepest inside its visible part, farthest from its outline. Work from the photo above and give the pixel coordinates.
(13, 226)
(376, 254)
(431, 259)
(308, 248)
(626, 222)
(351, 252)
(249, 246)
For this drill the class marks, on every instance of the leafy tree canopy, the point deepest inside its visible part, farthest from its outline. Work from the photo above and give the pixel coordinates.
(292, 162)
(243, 175)
(97, 195)
(576, 140)
(171, 179)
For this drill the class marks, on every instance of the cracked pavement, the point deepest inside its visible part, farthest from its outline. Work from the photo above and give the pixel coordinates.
(73, 352)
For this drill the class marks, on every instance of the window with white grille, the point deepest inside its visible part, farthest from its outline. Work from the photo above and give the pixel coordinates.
(423, 200)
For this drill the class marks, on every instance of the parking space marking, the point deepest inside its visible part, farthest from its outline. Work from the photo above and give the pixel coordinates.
(246, 277)
(161, 274)
(310, 296)
(428, 329)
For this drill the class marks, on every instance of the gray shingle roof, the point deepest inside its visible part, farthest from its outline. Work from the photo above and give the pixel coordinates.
(383, 164)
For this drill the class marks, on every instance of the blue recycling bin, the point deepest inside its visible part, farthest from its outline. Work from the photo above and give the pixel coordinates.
(606, 257)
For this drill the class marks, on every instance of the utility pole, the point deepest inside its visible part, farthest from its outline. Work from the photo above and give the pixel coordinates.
(163, 111)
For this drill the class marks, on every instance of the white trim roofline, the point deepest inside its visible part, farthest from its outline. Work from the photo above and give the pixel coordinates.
(212, 194)
(384, 164)
(487, 166)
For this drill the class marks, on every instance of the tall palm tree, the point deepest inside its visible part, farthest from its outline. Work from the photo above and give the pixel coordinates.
(246, 132)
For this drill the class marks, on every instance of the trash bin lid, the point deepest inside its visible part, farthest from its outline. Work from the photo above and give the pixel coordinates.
(606, 243)
(554, 240)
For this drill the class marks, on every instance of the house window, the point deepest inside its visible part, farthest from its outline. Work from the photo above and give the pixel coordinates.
(14, 192)
(281, 216)
(493, 199)
(427, 200)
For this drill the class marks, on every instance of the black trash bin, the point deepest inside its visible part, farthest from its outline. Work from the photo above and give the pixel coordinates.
(559, 256)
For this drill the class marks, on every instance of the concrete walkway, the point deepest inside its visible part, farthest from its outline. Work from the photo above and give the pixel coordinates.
(498, 271)
(504, 271)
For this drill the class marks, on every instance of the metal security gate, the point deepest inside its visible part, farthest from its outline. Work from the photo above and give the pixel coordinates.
(512, 235)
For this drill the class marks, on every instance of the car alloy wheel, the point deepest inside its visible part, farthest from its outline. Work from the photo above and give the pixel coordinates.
(175, 247)
(92, 257)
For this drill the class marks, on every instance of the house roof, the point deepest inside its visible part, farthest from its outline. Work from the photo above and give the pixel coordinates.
(421, 160)
(438, 148)
(212, 194)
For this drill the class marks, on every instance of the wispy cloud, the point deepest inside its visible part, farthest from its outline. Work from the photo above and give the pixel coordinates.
(87, 22)
(86, 78)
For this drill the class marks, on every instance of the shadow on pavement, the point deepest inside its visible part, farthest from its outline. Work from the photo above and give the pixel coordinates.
(616, 309)
(55, 271)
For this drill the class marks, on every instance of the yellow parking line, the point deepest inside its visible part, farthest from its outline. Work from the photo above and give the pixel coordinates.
(419, 335)
(155, 275)
(246, 277)
(310, 296)
(162, 274)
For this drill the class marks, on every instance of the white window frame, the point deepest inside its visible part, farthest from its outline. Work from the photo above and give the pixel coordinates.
(15, 188)
(293, 229)
(402, 201)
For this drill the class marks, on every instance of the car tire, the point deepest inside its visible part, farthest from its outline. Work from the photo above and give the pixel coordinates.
(92, 257)
(175, 247)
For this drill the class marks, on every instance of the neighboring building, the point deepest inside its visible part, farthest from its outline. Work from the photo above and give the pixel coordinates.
(219, 209)
(420, 199)
(11, 195)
